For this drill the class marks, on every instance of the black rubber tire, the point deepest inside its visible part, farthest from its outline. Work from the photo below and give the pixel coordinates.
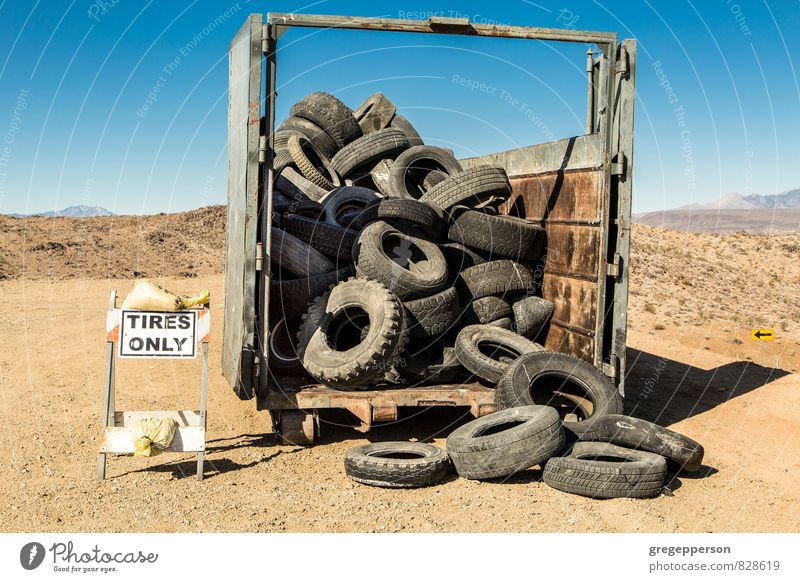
(283, 358)
(469, 188)
(345, 362)
(298, 187)
(375, 113)
(399, 212)
(514, 388)
(369, 149)
(504, 347)
(407, 182)
(297, 257)
(416, 269)
(531, 315)
(484, 310)
(345, 204)
(281, 161)
(683, 453)
(503, 322)
(427, 362)
(311, 130)
(311, 163)
(499, 235)
(405, 126)
(330, 114)
(290, 298)
(495, 278)
(534, 437)
(458, 258)
(331, 240)
(420, 465)
(640, 474)
(432, 316)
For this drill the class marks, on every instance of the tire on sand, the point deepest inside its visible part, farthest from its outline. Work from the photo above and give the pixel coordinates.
(680, 451)
(352, 335)
(397, 464)
(606, 471)
(505, 442)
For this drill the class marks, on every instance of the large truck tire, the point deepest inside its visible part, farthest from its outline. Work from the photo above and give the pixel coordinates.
(352, 335)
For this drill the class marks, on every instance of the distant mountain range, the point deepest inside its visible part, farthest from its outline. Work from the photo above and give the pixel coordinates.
(734, 201)
(775, 213)
(80, 211)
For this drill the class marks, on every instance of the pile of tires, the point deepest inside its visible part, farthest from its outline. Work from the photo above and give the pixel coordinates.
(390, 262)
(598, 453)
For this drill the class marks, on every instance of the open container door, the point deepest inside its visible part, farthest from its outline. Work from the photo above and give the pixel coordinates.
(579, 188)
(239, 364)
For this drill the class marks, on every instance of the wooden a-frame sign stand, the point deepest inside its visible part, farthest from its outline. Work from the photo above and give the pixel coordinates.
(116, 436)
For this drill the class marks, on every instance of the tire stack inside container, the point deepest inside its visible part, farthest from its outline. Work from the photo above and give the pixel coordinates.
(392, 266)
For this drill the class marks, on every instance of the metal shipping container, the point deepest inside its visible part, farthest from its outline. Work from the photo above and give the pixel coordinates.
(579, 188)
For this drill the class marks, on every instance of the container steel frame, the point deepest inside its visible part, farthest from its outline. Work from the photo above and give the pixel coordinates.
(609, 114)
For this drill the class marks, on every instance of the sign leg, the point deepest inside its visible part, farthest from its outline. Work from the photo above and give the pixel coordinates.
(200, 459)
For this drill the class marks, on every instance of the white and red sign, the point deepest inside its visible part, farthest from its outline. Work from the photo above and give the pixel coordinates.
(156, 334)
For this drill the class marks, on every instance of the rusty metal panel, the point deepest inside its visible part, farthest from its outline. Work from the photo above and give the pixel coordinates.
(558, 197)
(244, 113)
(561, 184)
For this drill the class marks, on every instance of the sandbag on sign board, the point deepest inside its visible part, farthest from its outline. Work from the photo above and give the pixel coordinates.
(147, 296)
(152, 435)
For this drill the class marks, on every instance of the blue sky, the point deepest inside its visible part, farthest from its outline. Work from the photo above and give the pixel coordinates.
(78, 125)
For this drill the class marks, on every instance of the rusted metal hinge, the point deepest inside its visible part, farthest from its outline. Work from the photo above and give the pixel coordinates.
(618, 168)
(614, 269)
(611, 368)
(623, 63)
(262, 149)
(259, 256)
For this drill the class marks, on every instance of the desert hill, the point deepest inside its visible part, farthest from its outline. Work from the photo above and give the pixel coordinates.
(678, 277)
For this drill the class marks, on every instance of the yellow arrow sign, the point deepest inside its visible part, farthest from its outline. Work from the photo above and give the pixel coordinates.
(763, 334)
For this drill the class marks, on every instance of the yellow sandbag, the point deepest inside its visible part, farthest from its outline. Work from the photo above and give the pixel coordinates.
(147, 296)
(197, 301)
(152, 435)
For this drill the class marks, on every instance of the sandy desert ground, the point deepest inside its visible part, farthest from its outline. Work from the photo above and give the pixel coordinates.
(694, 299)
